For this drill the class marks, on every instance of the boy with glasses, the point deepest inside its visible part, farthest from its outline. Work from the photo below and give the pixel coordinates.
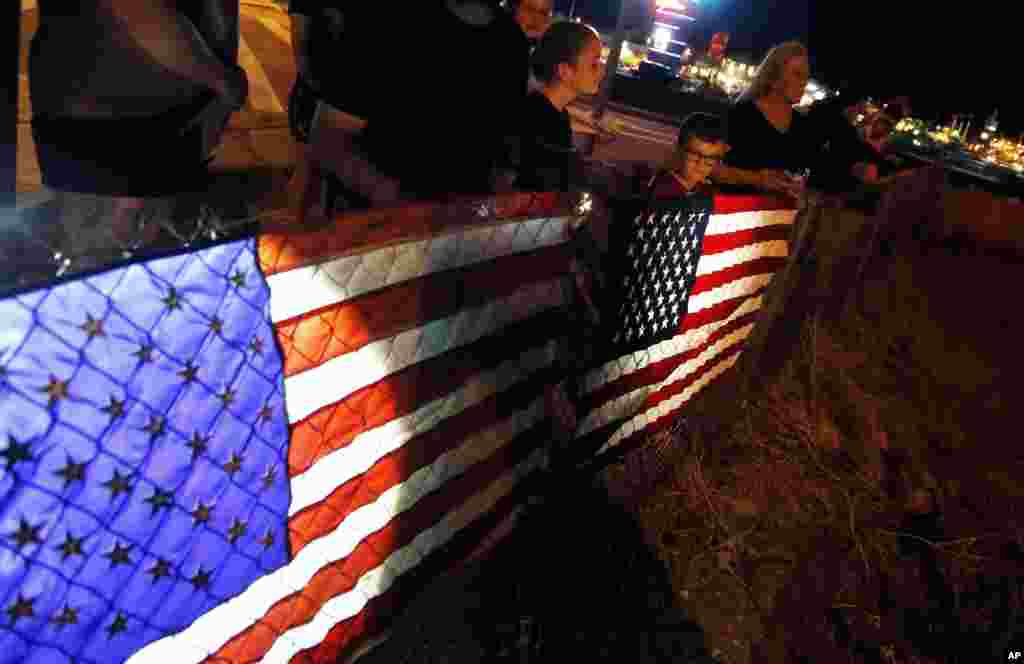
(700, 148)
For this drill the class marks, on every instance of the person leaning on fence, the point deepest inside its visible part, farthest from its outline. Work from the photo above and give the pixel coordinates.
(770, 140)
(855, 158)
(702, 143)
(567, 62)
(129, 100)
(875, 164)
(329, 107)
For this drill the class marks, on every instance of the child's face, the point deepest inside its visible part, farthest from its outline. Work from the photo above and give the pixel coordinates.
(699, 159)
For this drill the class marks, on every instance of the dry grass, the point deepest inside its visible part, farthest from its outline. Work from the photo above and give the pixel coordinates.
(789, 523)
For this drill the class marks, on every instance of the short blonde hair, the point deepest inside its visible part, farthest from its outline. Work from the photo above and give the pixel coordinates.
(770, 71)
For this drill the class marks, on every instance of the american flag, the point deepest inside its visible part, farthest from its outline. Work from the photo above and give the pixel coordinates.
(162, 501)
(260, 451)
(692, 278)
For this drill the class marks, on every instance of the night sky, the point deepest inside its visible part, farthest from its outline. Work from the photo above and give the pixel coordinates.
(958, 57)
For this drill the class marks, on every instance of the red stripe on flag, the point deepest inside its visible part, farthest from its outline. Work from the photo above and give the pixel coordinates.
(637, 438)
(336, 425)
(341, 576)
(677, 387)
(324, 334)
(345, 637)
(720, 311)
(757, 266)
(396, 467)
(659, 371)
(733, 203)
(716, 244)
(284, 246)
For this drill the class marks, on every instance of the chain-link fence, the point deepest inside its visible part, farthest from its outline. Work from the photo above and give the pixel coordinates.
(58, 235)
(144, 441)
(142, 418)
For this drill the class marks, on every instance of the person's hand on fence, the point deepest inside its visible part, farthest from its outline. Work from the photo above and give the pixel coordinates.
(779, 182)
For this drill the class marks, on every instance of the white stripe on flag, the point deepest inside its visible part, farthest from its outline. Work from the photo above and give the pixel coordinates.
(311, 390)
(730, 291)
(305, 289)
(372, 445)
(721, 224)
(624, 366)
(378, 581)
(642, 420)
(711, 263)
(629, 403)
(212, 630)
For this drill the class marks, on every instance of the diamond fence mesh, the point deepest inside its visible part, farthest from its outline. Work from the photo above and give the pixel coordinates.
(144, 442)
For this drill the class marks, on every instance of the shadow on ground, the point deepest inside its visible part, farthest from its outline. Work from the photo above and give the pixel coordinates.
(575, 580)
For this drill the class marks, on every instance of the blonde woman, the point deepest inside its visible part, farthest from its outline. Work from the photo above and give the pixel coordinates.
(769, 140)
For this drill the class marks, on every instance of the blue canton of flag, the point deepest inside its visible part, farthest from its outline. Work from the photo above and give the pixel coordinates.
(143, 454)
(658, 269)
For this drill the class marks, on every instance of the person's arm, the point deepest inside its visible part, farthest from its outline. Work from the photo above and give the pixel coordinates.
(173, 42)
(738, 176)
(766, 179)
(898, 175)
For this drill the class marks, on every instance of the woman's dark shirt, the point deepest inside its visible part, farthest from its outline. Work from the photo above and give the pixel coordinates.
(547, 156)
(757, 145)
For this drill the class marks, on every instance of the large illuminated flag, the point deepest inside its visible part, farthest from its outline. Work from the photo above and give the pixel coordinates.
(259, 450)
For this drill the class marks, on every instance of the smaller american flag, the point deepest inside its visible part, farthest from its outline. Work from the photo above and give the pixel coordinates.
(657, 270)
(689, 276)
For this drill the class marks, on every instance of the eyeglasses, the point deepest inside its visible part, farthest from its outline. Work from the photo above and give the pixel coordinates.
(703, 159)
